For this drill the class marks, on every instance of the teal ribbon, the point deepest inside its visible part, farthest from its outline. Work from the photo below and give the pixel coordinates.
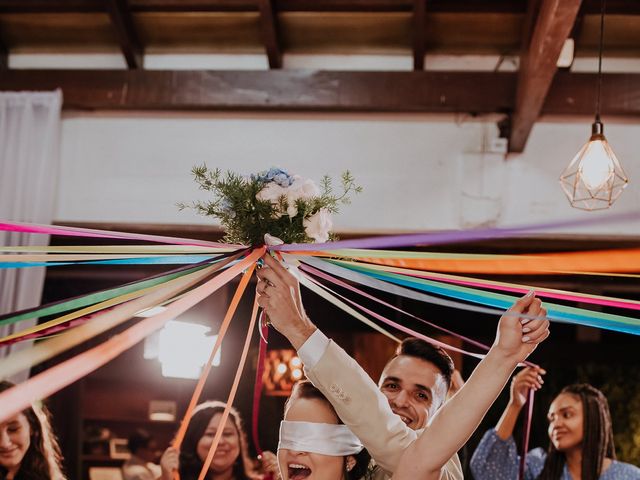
(555, 312)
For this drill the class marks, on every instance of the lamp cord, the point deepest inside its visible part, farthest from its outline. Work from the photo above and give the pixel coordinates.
(602, 8)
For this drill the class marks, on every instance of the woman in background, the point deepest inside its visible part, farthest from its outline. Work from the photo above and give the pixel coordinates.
(231, 460)
(28, 448)
(580, 432)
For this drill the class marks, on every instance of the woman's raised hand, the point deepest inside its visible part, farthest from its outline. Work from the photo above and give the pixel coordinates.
(169, 463)
(528, 378)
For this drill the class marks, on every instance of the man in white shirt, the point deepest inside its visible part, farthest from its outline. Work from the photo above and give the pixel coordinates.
(143, 452)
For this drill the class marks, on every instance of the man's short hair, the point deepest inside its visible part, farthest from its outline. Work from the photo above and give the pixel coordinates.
(417, 348)
(139, 439)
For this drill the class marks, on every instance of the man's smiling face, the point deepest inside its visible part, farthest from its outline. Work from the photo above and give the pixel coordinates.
(415, 389)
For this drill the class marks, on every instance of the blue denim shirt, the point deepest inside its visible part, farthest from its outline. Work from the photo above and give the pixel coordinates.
(497, 459)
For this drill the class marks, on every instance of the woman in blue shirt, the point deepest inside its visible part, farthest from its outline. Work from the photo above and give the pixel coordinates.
(581, 438)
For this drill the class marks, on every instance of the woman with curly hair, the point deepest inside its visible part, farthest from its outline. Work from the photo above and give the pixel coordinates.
(580, 433)
(28, 448)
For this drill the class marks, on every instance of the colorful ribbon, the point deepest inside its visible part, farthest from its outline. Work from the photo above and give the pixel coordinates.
(137, 260)
(427, 238)
(615, 261)
(559, 313)
(197, 392)
(93, 233)
(232, 394)
(44, 384)
(84, 300)
(516, 288)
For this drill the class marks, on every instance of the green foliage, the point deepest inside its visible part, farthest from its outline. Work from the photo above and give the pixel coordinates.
(247, 219)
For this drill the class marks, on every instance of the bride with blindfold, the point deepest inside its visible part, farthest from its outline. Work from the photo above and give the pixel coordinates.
(314, 444)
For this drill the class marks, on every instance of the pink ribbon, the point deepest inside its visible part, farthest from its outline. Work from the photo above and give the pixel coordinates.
(93, 233)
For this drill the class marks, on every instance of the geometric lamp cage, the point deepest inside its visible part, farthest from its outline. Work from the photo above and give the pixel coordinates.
(594, 179)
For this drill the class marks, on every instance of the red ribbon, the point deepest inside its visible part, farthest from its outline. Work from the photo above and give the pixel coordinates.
(526, 434)
(257, 389)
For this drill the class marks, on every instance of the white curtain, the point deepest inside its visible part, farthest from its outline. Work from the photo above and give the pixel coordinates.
(29, 164)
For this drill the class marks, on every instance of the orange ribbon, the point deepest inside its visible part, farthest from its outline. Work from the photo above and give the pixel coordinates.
(627, 260)
(232, 393)
(207, 368)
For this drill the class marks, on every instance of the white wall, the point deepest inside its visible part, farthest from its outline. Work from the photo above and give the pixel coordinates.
(418, 172)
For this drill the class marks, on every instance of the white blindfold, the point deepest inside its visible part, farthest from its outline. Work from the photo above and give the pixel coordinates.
(322, 438)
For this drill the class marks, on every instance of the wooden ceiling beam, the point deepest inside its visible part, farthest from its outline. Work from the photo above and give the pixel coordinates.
(323, 91)
(269, 31)
(51, 6)
(592, 7)
(272, 90)
(465, 6)
(126, 32)
(459, 6)
(554, 23)
(419, 34)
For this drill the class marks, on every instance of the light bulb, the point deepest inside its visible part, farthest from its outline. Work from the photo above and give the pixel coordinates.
(596, 166)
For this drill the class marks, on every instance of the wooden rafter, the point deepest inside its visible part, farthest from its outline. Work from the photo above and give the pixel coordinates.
(322, 91)
(126, 32)
(269, 30)
(619, 7)
(554, 23)
(419, 40)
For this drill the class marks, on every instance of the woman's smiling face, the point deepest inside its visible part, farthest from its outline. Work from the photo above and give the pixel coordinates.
(15, 439)
(566, 422)
(296, 465)
(228, 449)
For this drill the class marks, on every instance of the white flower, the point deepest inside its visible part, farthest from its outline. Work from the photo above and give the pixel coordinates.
(292, 209)
(300, 189)
(318, 226)
(271, 192)
(303, 189)
(271, 240)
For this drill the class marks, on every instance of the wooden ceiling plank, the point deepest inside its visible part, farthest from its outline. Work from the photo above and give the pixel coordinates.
(127, 35)
(272, 90)
(419, 34)
(269, 31)
(554, 23)
(322, 91)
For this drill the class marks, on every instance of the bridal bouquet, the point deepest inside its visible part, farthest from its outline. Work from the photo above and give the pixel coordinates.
(292, 208)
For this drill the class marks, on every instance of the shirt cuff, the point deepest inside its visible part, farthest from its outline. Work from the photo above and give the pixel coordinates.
(313, 349)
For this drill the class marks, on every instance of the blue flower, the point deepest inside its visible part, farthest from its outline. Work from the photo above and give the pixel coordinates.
(277, 175)
(283, 180)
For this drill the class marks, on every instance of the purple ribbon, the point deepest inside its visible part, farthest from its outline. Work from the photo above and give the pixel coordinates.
(426, 238)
